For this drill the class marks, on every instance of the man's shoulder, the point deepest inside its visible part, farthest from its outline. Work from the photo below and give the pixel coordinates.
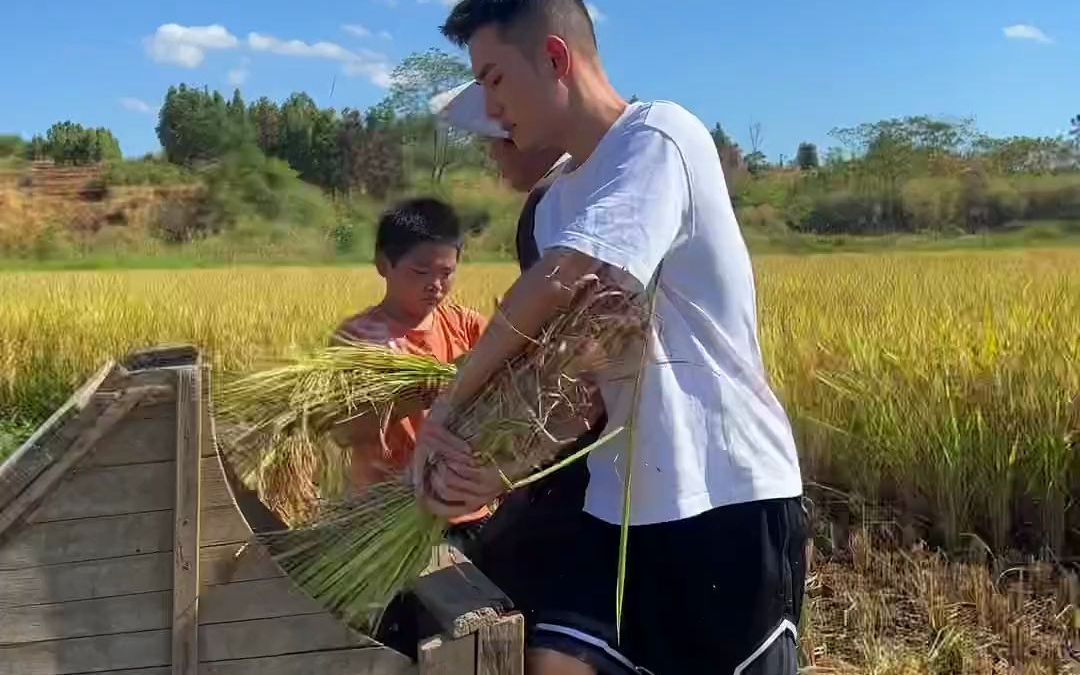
(673, 121)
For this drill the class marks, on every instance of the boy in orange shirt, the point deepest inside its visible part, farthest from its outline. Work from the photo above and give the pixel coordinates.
(417, 250)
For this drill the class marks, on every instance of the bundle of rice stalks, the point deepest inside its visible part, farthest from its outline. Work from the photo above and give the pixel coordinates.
(354, 555)
(277, 424)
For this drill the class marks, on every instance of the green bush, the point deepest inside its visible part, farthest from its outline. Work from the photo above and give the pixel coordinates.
(764, 217)
(1005, 202)
(11, 145)
(1050, 197)
(147, 172)
(844, 212)
(935, 204)
(246, 183)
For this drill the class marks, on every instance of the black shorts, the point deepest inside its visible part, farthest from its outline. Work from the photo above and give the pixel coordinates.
(717, 593)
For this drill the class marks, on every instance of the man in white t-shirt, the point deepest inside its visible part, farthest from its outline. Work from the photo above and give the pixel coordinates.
(716, 565)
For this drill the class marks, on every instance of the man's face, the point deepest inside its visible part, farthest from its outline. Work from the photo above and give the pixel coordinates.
(519, 92)
(521, 169)
(421, 279)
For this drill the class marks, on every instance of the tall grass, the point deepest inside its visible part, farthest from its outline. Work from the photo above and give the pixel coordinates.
(947, 384)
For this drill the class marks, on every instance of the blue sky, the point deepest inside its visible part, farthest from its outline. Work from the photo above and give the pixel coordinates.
(797, 68)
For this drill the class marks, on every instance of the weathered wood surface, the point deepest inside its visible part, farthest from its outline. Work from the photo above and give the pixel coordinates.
(45, 444)
(362, 661)
(185, 607)
(500, 647)
(108, 491)
(125, 576)
(148, 434)
(460, 599)
(67, 541)
(443, 656)
(217, 642)
(87, 439)
(222, 603)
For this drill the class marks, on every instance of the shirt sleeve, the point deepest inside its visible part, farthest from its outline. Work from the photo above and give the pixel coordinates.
(637, 210)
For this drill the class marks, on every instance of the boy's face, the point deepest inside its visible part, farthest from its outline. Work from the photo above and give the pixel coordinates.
(421, 279)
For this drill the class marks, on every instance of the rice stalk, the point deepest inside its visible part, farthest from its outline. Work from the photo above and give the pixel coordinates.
(356, 554)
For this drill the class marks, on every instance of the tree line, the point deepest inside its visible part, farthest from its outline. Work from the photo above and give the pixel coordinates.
(899, 174)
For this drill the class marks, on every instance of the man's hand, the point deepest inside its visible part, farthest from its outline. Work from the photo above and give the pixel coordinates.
(449, 481)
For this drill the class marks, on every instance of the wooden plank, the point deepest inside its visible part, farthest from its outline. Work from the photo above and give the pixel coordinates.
(134, 574)
(241, 601)
(68, 541)
(49, 440)
(438, 656)
(185, 624)
(259, 599)
(460, 599)
(237, 562)
(500, 648)
(271, 637)
(87, 618)
(362, 661)
(148, 434)
(85, 655)
(116, 490)
(43, 485)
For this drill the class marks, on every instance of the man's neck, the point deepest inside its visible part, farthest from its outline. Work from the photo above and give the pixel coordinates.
(595, 106)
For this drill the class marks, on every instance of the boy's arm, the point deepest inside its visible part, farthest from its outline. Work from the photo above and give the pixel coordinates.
(366, 430)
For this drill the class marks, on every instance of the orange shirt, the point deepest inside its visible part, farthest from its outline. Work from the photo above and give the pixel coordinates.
(450, 332)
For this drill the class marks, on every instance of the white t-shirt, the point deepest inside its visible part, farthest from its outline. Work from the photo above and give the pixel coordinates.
(709, 430)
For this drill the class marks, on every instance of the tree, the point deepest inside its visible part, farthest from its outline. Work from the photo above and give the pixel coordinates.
(807, 157)
(756, 162)
(70, 143)
(731, 159)
(265, 116)
(1075, 131)
(417, 79)
(12, 145)
(298, 114)
(194, 126)
(1023, 154)
(414, 82)
(720, 139)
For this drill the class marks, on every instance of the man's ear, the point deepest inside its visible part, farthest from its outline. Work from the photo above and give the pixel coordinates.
(557, 54)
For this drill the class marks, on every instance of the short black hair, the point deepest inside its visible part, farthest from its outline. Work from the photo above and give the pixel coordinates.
(519, 20)
(412, 222)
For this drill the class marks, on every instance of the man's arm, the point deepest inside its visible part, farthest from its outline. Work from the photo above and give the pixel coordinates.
(462, 485)
(629, 223)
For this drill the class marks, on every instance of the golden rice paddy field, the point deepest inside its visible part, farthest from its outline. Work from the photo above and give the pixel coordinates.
(943, 387)
(947, 383)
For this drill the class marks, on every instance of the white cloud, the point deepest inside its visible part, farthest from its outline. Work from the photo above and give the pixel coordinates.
(385, 34)
(1023, 31)
(238, 76)
(363, 62)
(136, 105)
(595, 13)
(356, 30)
(186, 46)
